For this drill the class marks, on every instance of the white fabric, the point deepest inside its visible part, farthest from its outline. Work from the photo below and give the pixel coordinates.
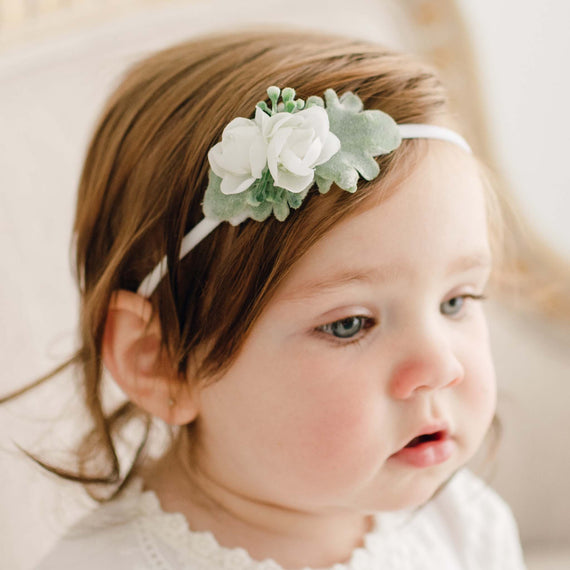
(466, 527)
(421, 131)
(194, 236)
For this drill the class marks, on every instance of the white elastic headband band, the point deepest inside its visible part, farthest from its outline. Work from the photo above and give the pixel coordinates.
(418, 131)
(207, 225)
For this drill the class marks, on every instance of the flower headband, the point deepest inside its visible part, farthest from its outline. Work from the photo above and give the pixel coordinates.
(266, 165)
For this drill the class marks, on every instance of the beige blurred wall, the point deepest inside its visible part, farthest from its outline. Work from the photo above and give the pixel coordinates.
(23, 21)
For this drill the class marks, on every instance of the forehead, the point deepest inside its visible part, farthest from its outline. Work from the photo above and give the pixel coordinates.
(433, 224)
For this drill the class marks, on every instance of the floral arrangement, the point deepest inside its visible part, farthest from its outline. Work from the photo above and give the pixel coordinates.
(269, 163)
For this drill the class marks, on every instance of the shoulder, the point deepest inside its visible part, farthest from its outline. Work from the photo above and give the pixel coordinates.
(478, 523)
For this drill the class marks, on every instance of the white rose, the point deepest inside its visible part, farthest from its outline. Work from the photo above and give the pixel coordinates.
(240, 158)
(291, 144)
(296, 144)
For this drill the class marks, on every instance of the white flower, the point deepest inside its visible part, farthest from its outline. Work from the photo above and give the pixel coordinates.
(241, 156)
(291, 145)
(296, 144)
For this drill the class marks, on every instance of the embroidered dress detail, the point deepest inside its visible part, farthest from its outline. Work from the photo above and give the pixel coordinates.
(201, 549)
(467, 526)
(399, 540)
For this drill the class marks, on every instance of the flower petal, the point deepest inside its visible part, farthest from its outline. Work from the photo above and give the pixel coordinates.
(235, 184)
(236, 147)
(215, 160)
(274, 149)
(257, 156)
(300, 140)
(313, 153)
(291, 162)
(276, 122)
(318, 118)
(272, 162)
(330, 148)
(294, 183)
(279, 140)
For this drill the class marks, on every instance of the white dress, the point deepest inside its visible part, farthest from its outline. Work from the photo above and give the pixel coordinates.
(466, 527)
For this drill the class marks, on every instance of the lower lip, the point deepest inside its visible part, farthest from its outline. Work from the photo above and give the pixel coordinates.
(426, 454)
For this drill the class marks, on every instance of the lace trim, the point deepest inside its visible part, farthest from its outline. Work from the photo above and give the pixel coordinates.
(396, 541)
(202, 547)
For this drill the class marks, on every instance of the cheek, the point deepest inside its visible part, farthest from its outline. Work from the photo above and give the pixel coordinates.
(339, 417)
(478, 394)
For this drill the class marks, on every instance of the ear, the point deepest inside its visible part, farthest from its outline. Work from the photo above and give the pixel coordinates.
(132, 354)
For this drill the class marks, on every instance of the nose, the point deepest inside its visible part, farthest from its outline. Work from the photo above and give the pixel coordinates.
(429, 364)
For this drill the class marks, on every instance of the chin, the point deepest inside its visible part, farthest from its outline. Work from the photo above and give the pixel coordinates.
(417, 490)
(417, 497)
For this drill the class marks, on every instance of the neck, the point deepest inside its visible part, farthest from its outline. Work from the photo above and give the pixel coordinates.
(293, 538)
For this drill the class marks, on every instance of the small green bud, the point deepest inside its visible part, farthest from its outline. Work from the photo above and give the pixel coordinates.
(263, 106)
(288, 94)
(290, 106)
(273, 93)
(300, 104)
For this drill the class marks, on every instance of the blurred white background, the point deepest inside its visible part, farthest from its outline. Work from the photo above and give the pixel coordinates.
(56, 69)
(524, 54)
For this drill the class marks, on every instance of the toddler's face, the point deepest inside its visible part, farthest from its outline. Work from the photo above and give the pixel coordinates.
(371, 341)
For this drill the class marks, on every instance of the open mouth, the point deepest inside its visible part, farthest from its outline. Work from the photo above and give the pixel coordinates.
(427, 449)
(436, 436)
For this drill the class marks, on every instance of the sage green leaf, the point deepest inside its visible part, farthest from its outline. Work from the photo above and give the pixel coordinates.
(314, 100)
(233, 208)
(323, 184)
(258, 202)
(363, 135)
(296, 199)
(281, 210)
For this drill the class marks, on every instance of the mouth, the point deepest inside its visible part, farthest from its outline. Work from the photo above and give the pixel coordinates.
(432, 446)
(427, 437)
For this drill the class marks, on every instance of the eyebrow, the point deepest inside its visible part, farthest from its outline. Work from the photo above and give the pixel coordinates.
(387, 273)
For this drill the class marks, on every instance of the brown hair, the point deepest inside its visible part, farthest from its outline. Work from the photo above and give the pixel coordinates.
(144, 179)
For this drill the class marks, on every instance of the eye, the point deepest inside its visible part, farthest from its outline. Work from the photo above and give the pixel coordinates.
(346, 328)
(453, 306)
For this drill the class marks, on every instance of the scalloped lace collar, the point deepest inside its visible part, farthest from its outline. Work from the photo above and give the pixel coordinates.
(384, 546)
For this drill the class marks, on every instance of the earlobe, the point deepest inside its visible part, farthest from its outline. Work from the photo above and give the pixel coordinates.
(132, 354)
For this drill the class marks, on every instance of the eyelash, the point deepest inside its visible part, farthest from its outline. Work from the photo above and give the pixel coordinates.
(369, 323)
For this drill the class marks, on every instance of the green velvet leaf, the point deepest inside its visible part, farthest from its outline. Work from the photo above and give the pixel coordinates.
(234, 208)
(295, 200)
(281, 210)
(258, 202)
(363, 135)
(314, 100)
